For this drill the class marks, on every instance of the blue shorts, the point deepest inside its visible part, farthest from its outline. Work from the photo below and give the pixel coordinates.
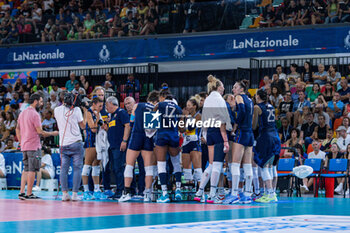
(170, 139)
(90, 140)
(214, 136)
(245, 138)
(219, 154)
(268, 144)
(139, 141)
(230, 137)
(191, 146)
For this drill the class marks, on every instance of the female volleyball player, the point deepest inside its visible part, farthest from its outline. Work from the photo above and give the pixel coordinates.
(243, 145)
(268, 144)
(92, 117)
(216, 137)
(140, 141)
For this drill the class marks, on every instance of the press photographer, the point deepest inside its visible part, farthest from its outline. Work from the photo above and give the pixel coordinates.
(69, 121)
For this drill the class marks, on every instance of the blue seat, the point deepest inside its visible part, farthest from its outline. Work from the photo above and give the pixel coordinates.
(338, 165)
(316, 165)
(286, 166)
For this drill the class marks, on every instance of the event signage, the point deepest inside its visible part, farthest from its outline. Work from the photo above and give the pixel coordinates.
(245, 44)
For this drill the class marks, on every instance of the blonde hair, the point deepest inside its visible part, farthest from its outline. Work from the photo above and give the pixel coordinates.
(213, 83)
(195, 100)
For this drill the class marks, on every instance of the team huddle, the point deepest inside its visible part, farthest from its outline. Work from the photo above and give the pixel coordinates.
(228, 146)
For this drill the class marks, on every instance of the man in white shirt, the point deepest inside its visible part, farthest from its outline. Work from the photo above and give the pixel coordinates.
(343, 140)
(316, 154)
(54, 102)
(69, 118)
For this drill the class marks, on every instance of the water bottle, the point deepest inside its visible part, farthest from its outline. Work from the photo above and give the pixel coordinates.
(136, 171)
(295, 193)
(319, 192)
(323, 193)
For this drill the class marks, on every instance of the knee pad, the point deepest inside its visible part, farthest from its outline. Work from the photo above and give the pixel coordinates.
(86, 170)
(241, 178)
(188, 174)
(235, 171)
(248, 171)
(161, 165)
(149, 171)
(209, 169)
(96, 171)
(197, 175)
(265, 174)
(255, 173)
(175, 160)
(217, 167)
(128, 171)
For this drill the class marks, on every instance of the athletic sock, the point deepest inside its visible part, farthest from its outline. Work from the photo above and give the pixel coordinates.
(97, 188)
(86, 187)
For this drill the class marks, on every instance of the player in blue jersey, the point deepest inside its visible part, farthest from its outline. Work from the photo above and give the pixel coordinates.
(92, 116)
(215, 110)
(167, 141)
(268, 144)
(140, 141)
(191, 148)
(243, 145)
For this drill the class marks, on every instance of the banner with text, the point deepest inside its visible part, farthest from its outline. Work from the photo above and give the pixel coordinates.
(185, 48)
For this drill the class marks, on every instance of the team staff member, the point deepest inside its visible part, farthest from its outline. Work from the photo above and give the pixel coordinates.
(28, 132)
(118, 135)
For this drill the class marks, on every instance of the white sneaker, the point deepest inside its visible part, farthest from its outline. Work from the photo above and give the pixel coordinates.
(75, 197)
(347, 192)
(125, 197)
(339, 189)
(147, 197)
(36, 189)
(66, 197)
(304, 189)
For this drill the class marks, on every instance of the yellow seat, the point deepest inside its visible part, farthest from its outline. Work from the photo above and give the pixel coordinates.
(264, 3)
(256, 23)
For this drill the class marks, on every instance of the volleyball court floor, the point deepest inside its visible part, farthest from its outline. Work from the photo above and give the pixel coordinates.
(289, 214)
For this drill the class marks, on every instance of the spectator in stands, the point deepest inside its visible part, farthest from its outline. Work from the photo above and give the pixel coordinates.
(128, 24)
(292, 142)
(328, 142)
(192, 12)
(328, 92)
(2, 166)
(308, 129)
(268, 16)
(47, 170)
(88, 25)
(70, 84)
(132, 86)
(25, 103)
(48, 34)
(289, 16)
(266, 82)
(346, 124)
(303, 13)
(56, 89)
(279, 71)
(15, 98)
(344, 91)
(151, 23)
(333, 12)
(108, 89)
(314, 93)
(54, 101)
(333, 76)
(318, 12)
(321, 129)
(285, 130)
(9, 126)
(299, 105)
(78, 89)
(37, 85)
(9, 146)
(293, 77)
(280, 83)
(343, 139)
(335, 107)
(344, 11)
(109, 77)
(275, 98)
(321, 75)
(318, 111)
(85, 84)
(307, 73)
(100, 29)
(315, 154)
(286, 107)
(29, 86)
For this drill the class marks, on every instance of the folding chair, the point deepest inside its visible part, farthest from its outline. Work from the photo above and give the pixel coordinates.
(338, 165)
(284, 169)
(316, 165)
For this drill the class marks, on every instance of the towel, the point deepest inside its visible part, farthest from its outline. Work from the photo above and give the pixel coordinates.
(102, 146)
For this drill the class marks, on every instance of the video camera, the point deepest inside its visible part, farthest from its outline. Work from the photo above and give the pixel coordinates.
(76, 100)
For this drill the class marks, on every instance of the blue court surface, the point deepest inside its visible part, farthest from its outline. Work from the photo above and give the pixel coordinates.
(305, 214)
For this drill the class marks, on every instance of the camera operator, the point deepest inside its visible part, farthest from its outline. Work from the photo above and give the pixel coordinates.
(69, 118)
(118, 135)
(93, 120)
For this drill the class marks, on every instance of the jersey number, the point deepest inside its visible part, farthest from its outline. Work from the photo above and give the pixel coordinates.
(169, 111)
(271, 116)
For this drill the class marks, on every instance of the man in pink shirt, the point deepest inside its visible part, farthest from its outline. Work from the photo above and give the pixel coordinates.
(28, 132)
